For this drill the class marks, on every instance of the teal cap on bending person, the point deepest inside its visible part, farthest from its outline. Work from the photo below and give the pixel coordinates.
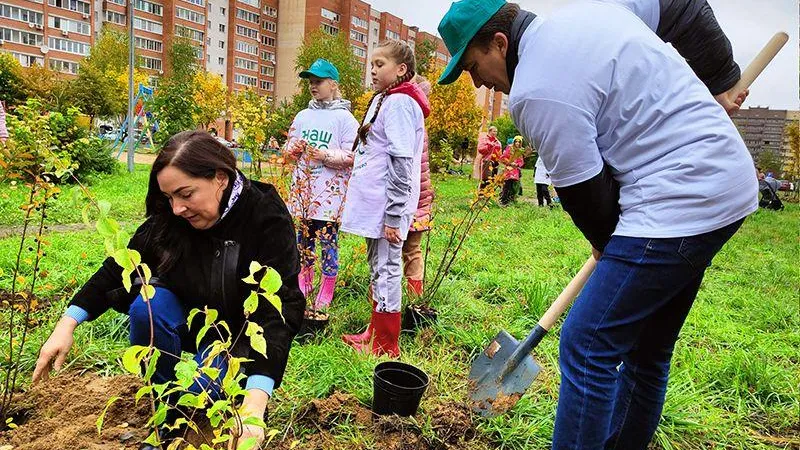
(463, 20)
(322, 68)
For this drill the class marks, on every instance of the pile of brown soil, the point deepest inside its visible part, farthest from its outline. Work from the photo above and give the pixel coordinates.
(61, 414)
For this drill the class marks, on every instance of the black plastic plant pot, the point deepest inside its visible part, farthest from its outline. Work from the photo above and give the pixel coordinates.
(314, 323)
(418, 316)
(397, 388)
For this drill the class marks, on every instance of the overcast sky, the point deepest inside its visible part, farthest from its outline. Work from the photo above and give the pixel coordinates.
(749, 25)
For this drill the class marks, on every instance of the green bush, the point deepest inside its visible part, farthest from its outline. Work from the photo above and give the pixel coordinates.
(93, 155)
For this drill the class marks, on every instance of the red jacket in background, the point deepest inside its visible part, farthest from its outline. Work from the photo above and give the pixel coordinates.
(513, 163)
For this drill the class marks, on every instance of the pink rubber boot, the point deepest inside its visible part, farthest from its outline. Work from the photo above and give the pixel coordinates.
(325, 294)
(306, 280)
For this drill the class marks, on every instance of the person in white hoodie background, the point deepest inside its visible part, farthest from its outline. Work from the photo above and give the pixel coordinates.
(320, 141)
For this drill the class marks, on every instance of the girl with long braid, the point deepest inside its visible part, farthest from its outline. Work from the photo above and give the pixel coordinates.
(384, 188)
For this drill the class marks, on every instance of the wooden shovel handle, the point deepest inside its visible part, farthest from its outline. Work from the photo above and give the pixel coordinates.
(567, 295)
(764, 57)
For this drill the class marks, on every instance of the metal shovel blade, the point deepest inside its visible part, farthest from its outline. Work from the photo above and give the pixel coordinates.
(491, 392)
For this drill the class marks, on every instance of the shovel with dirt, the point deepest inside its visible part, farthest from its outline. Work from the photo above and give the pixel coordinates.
(505, 369)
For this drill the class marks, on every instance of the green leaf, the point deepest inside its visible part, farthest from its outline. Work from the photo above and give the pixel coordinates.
(107, 227)
(104, 207)
(248, 444)
(146, 273)
(192, 313)
(144, 390)
(211, 372)
(257, 421)
(257, 341)
(275, 301)
(184, 372)
(122, 258)
(151, 364)
(211, 316)
(148, 291)
(132, 359)
(161, 414)
(126, 279)
(99, 421)
(254, 267)
(271, 281)
(188, 400)
(220, 439)
(152, 439)
(250, 303)
(201, 334)
(85, 214)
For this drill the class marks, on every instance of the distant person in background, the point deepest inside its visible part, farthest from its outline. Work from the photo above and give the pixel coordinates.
(490, 149)
(542, 179)
(512, 159)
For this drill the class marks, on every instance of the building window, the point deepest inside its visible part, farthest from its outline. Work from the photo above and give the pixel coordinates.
(73, 26)
(66, 45)
(246, 47)
(246, 80)
(330, 29)
(197, 2)
(190, 33)
(64, 66)
(392, 35)
(359, 22)
(221, 44)
(152, 8)
(270, 11)
(247, 32)
(191, 16)
(221, 61)
(72, 5)
(115, 17)
(151, 63)
(270, 26)
(268, 56)
(28, 60)
(21, 14)
(118, 2)
(246, 15)
(330, 15)
(147, 25)
(268, 71)
(148, 44)
(266, 85)
(222, 27)
(266, 40)
(358, 36)
(248, 64)
(222, 10)
(21, 37)
(358, 51)
(253, 3)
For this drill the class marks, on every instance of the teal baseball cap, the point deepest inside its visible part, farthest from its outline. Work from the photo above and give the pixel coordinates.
(322, 68)
(463, 20)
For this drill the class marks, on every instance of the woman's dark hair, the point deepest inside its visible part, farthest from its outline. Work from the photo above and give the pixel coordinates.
(500, 22)
(199, 155)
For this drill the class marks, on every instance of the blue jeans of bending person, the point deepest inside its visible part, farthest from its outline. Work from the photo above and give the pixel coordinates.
(171, 336)
(617, 341)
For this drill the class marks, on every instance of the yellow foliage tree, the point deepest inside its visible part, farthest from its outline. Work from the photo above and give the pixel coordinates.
(361, 103)
(455, 118)
(792, 162)
(211, 98)
(251, 115)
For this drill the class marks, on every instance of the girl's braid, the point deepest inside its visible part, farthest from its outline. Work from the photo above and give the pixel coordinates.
(364, 129)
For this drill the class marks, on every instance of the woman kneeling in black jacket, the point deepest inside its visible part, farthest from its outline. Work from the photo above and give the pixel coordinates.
(205, 223)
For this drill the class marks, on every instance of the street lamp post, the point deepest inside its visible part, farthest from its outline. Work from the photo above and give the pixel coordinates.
(131, 62)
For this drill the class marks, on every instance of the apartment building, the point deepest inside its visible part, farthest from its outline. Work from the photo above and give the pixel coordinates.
(764, 129)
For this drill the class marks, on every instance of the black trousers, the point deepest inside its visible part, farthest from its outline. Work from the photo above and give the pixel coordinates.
(543, 194)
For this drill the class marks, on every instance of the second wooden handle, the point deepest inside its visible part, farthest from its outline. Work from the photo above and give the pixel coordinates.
(764, 57)
(568, 295)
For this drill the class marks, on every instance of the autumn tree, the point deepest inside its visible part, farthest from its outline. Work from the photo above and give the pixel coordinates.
(210, 97)
(361, 104)
(12, 84)
(51, 88)
(792, 167)
(173, 103)
(425, 53)
(251, 115)
(455, 118)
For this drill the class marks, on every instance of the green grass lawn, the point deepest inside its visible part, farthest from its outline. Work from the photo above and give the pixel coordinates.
(734, 382)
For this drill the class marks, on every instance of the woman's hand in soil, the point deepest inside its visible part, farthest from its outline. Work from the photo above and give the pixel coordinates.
(254, 405)
(55, 349)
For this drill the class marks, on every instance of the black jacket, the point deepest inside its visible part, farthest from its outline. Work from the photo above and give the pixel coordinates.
(257, 228)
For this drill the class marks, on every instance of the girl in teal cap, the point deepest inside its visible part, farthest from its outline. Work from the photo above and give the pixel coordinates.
(320, 142)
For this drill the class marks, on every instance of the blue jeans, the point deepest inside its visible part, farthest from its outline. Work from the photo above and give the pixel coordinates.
(328, 235)
(617, 341)
(171, 336)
